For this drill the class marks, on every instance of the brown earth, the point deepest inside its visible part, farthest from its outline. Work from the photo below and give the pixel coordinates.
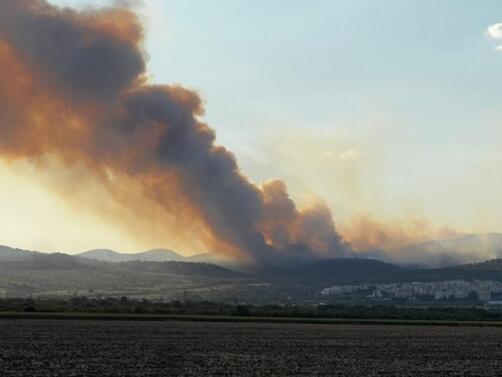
(122, 348)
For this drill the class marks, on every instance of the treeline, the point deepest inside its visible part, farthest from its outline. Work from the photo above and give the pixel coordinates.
(128, 306)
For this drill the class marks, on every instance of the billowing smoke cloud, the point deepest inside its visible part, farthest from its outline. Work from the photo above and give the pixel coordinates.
(72, 85)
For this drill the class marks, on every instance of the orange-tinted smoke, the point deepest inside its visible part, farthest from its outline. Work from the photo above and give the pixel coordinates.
(73, 87)
(284, 224)
(366, 233)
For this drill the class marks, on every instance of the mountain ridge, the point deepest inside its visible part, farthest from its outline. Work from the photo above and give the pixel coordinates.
(153, 255)
(60, 275)
(24, 273)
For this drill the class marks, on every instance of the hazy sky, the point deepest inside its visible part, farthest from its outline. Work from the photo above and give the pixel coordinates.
(392, 108)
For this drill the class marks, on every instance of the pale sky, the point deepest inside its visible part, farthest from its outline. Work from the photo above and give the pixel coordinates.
(392, 108)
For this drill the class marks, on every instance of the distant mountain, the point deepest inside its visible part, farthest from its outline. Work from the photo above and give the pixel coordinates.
(102, 273)
(62, 275)
(10, 254)
(154, 255)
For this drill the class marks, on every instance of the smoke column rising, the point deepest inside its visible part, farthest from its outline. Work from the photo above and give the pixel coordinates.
(73, 87)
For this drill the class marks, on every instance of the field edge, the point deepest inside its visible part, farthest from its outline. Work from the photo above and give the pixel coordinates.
(215, 318)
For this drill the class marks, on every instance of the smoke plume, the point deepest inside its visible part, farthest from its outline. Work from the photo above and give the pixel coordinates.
(414, 241)
(366, 233)
(73, 87)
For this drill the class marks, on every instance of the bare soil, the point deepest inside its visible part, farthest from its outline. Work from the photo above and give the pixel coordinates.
(126, 348)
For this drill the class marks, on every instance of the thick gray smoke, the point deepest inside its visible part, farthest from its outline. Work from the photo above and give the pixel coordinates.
(72, 85)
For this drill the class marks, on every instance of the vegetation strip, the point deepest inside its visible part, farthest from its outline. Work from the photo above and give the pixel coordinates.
(202, 318)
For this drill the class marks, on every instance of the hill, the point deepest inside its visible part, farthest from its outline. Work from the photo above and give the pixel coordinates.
(362, 271)
(11, 254)
(62, 275)
(24, 273)
(154, 255)
(340, 270)
(183, 268)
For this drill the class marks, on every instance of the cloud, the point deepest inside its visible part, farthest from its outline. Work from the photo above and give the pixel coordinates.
(495, 32)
